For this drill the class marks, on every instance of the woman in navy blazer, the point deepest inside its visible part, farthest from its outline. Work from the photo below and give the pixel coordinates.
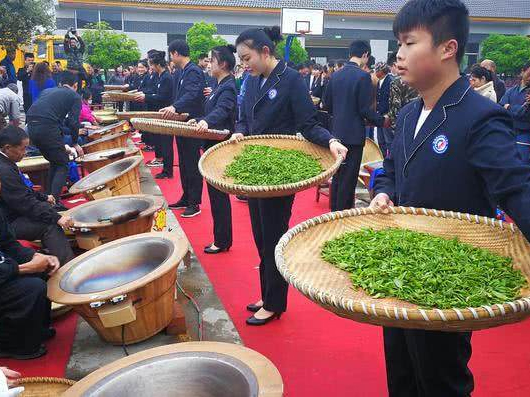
(276, 101)
(220, 113)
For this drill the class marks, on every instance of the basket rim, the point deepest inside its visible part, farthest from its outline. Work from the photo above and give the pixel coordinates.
(252, 189)
(393, 312)
(175, 123)
(46, 379)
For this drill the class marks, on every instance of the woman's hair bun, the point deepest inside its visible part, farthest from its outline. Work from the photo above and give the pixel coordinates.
(231, 48)
(274, 33)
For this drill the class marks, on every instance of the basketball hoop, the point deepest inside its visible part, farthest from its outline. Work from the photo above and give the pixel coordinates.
(300, 22)
(303, 32)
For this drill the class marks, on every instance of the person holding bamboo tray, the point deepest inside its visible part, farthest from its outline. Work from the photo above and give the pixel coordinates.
(220, 113)
(454, 150)
(276, 100)
(157, 100)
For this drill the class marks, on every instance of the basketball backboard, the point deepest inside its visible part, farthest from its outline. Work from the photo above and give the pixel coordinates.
(305, 21)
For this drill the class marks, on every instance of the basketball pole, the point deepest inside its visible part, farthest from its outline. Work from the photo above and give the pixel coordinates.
(288, 45)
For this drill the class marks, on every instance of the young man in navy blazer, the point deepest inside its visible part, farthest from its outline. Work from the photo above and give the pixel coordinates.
(348, 98)
(454, 150)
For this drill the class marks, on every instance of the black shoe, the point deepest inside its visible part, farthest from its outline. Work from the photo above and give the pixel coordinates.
(39, 352)
(148, 148)
(242, 198)
(191, 211)
(210, 250)
(48, 333)
(253, 308)
(179, 205)
(257, 322)
(163, 175)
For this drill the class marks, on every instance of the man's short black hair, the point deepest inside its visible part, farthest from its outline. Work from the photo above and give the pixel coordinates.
(68, 78)
(202, 56)
(29, 55)
(526, 66)
(443, 19)
(359, 47)
(12, 135)
(179, 46)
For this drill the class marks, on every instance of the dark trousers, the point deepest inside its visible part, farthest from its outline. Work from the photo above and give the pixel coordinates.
(345, 180)
(24, 312)
(385, 136)
(52, 237)
(427, 363)
(270, 221)
(190, 177)
(49, 140)
(27, 102)
(221, 212)
(165, 142)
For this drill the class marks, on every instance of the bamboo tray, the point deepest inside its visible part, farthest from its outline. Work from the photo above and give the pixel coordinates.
(44, 387)
(114, 87)
(151, 115)
(104, 112)
(214, 161)
(119, 96)
(298, 260)
(177, 128)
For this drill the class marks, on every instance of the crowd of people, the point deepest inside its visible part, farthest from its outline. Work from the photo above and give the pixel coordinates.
(452, 141)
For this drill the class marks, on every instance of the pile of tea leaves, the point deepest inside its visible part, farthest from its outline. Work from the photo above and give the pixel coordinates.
(259, 165)
(423, 269)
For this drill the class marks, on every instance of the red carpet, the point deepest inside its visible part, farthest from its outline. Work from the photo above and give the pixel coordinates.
(318, 353)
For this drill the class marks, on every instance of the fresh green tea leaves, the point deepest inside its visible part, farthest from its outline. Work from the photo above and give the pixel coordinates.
(429, 271)
(260, 165)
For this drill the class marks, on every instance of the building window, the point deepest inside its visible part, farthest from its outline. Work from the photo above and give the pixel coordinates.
(85, 17)
(113, 18)
(58, 50)
(41, 49)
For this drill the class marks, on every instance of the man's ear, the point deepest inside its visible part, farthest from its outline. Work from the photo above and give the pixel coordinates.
(449, 49)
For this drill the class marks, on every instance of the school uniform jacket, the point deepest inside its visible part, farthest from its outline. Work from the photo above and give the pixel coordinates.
(281, 106)
(189, 86)
(163, 94)
(464, 159)
(221, 105)
(348, 98)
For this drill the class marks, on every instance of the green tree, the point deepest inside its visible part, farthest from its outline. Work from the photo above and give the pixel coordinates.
(21, 19)
(298, 54)
(200, 38)
(106, 48)
(510, 53)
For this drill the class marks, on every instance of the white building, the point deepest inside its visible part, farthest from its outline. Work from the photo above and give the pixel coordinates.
(154, 23)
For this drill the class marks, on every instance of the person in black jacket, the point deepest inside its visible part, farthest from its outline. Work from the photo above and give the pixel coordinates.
(24, 75)
(220, 113)
(44, 121)
(157, 100)
(276, 99)
(24, 307)
(30, 214)
(188, 98)
(348, 98)
(95, 84)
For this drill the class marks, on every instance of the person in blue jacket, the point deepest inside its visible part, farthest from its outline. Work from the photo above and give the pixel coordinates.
(156, 101)
(454, 150)
(41, 79)
(220, 113)
(348, 99)
(515, 100)
(276, 101)
(188, 98)
(7, 62)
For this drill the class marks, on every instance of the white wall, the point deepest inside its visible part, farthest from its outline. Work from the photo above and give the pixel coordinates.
(379, 50)
(148, 41)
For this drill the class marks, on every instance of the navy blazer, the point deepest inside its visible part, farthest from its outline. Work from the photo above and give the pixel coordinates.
(221, 105)
(281, 106)
(348, 98)
(464, 159)
(189, 86)
(163, 95)
(516, 98)
(383, 95)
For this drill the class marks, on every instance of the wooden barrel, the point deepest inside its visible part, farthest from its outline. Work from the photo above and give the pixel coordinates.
(119, 178)
(110, 141)
(101, 221)
(114, 128)
(94, 161)
(124, 289)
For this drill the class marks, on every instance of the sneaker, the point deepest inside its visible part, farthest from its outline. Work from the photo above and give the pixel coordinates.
(148, 148)
(179, 205)
(242, 198)
(155, 163)
(163, 175)
(191, 211)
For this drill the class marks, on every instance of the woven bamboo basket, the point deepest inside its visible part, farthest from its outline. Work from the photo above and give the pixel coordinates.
(214, 161)
(298, 260)
(116, 179)
(151, 115)
(177, 128)
(109, 141)
(114, 87)
(44, 387)
(119, 96)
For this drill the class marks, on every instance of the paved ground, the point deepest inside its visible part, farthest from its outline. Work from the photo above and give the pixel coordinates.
(90, 352)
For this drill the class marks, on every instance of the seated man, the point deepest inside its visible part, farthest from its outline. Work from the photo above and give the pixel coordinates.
(29, 213)
(24, 307)
(9, 105)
